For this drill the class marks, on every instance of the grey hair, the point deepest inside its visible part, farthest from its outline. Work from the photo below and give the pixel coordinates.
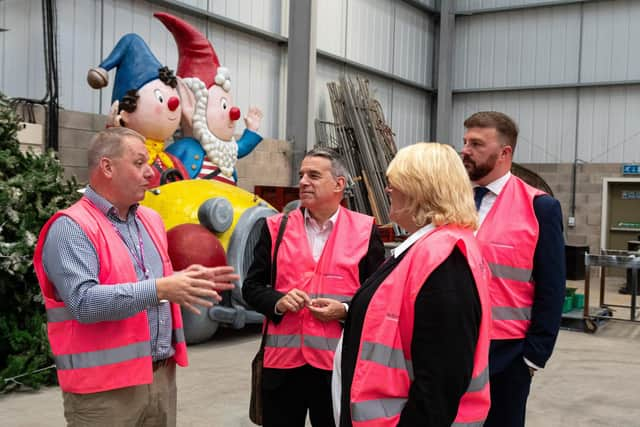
(338, 168)
(108, 143)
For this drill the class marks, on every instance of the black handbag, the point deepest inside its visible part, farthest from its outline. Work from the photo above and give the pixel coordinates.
(255, 404)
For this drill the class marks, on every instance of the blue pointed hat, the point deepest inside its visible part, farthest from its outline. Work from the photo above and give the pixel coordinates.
(136, 66)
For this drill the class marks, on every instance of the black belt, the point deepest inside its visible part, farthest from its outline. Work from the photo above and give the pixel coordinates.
(161, 363)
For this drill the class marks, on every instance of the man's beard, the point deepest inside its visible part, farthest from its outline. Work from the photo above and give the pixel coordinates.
(222, 154)
(479, 171)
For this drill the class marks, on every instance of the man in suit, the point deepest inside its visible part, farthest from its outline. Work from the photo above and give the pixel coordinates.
(521, 238)
(326, 252)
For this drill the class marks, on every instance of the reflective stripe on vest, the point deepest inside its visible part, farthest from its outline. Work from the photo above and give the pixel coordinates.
(384, 408)
(368, 410)
(472, 424)
(102, 357)
(394, 358)
(321, 343)
(58, 314)
(511, 313)
(293, 341)
(386, 356)
(177, 336)
(341, 298)
(282, 341)
(479, 382)
(510, 273)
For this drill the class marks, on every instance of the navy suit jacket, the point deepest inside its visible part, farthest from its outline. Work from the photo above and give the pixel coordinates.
(549, 275)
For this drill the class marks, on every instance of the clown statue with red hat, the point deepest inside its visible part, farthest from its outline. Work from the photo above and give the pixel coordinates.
(209, 149)
(144, 99)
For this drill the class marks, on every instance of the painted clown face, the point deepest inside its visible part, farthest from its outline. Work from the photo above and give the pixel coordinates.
(221, 114)
(158, 111)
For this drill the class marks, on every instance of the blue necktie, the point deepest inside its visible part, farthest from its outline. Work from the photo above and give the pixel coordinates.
(478, 194)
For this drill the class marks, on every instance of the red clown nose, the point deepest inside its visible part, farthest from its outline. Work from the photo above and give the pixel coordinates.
(234, 113)
(173, 103)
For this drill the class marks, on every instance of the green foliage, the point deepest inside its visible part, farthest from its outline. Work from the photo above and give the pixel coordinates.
(32, 188)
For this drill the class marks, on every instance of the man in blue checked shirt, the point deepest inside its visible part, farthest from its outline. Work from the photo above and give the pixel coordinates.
(111, 296)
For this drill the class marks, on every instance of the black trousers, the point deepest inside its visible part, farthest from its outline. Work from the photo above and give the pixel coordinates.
(509, 393)
(289, 393)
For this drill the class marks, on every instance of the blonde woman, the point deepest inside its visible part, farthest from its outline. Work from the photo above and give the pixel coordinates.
(415, 342)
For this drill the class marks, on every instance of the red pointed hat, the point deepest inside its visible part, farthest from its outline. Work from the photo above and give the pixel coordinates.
(196, 56)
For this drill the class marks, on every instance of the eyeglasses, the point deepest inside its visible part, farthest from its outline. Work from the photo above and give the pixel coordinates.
(389, 188)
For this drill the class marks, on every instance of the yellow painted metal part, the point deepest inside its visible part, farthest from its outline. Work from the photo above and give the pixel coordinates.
(178, 202)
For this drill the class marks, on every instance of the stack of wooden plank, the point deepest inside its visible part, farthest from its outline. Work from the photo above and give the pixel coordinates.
(361, 135)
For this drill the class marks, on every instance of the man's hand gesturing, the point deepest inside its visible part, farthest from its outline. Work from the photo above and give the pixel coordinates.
(223, 277)
(196, 285)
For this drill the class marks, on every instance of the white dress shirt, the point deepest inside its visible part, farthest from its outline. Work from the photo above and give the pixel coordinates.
(317, 234)
(490, 198)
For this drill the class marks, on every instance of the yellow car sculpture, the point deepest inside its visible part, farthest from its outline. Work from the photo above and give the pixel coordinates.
(232, 215)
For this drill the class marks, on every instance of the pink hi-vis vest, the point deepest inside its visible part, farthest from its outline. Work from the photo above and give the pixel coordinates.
(94, 357)
(384, 370)
(508, 238)
(300, 338)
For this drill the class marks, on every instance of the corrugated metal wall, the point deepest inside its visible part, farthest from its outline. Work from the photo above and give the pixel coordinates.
(546, 120)
(468, 5)
(387, 35)
(611, 30)
(551, 66)
(571, 47)
(21, 58)
(609, 129)
(519, 48)
(92, 28)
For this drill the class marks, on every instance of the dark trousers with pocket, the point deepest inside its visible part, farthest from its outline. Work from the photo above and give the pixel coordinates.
(289, 393)
(509, 393)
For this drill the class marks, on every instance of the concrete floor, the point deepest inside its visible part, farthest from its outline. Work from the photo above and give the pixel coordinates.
(591, 380)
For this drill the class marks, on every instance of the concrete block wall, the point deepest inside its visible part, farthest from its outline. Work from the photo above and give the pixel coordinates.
(588, 200)
(268, 164)
(74, 134)
(30, 137)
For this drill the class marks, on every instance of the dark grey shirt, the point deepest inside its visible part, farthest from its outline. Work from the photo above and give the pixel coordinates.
(71, 263)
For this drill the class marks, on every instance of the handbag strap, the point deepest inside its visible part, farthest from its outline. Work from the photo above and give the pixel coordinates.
(283, 224)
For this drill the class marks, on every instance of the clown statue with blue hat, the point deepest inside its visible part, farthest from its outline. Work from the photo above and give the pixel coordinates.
(144, 99)
(209, 149)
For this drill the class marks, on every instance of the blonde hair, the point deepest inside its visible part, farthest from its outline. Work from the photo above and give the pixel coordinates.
(435, 184)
